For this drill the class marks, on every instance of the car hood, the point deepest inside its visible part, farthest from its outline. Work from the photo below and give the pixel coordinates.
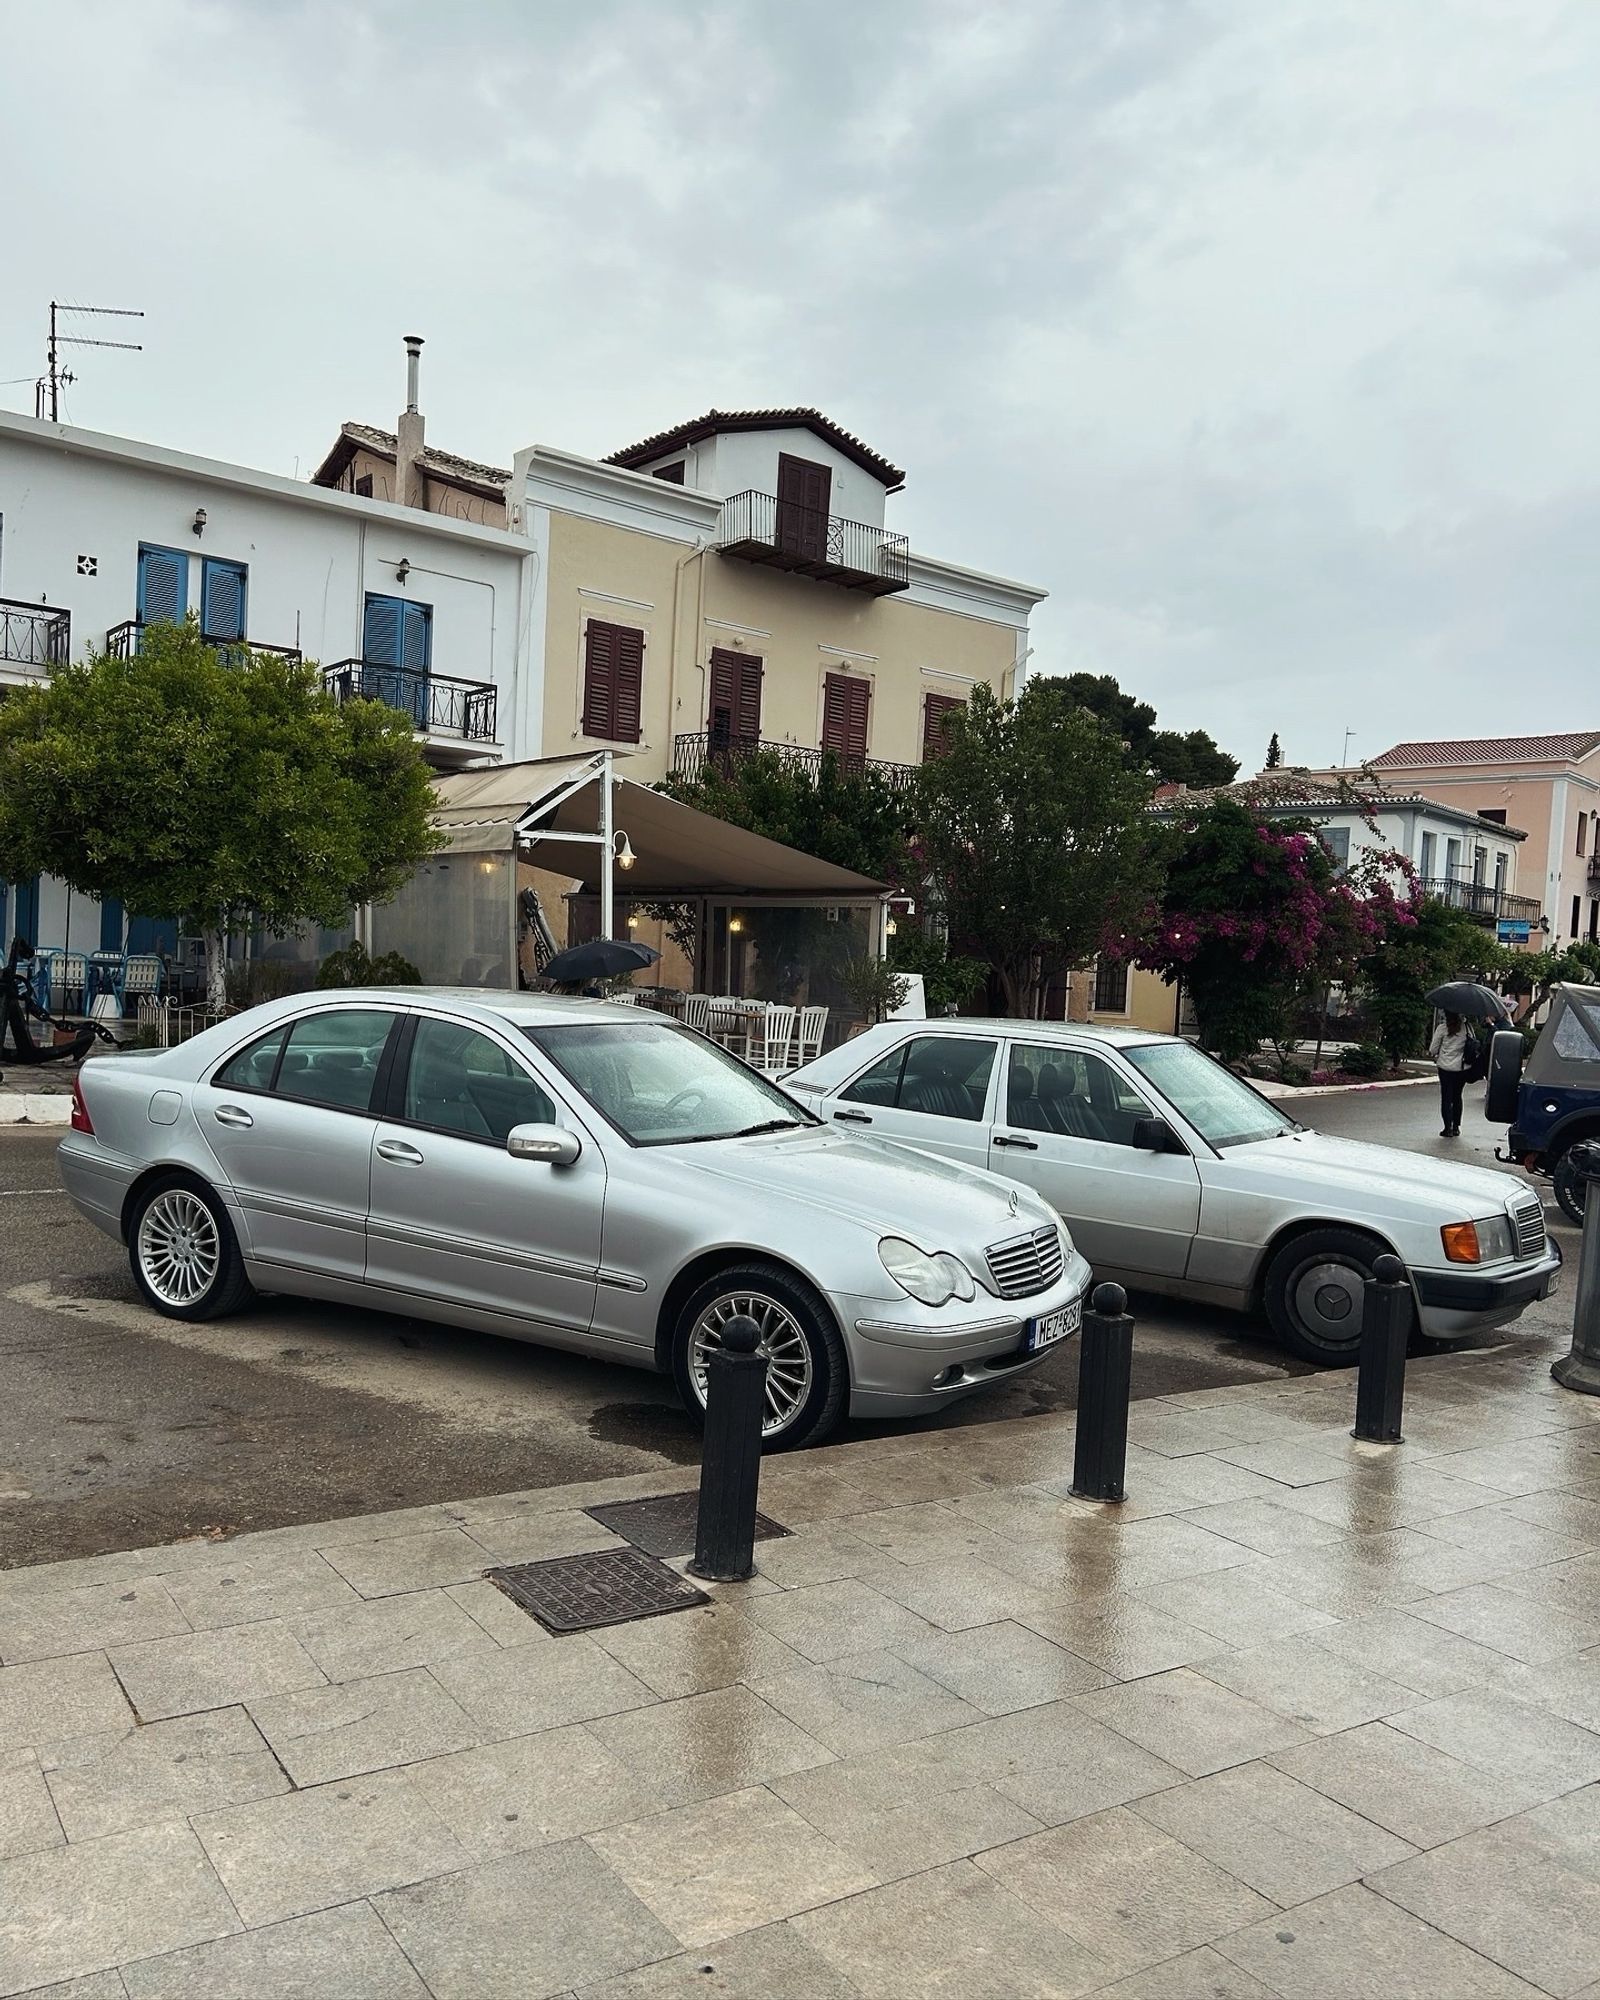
(1382, 1172)
(889, 1189)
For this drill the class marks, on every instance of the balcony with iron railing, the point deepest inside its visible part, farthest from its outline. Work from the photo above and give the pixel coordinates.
(438, 705)
(693, 754)
(1483, 900)
(35, 637)
(125, 641)
(761, 528)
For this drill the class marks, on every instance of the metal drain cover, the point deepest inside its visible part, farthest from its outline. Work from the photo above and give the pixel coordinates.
(571, 1593)
(665, 1525)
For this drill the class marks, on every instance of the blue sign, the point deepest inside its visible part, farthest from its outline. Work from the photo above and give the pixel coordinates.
(1513, 930)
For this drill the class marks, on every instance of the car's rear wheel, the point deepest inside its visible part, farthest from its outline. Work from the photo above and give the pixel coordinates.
(808, 1376)
(1314, 1290)
(183, 1251)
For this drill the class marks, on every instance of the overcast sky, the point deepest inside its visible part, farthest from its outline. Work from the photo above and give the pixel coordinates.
(1262, 333)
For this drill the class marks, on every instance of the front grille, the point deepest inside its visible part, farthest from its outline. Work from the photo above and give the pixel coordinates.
(1527, 1219)
(1025, 1264)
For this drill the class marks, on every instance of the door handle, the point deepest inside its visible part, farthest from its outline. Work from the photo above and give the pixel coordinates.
(232, 1114)
(852, 1118)
(1011, 1139)
(398, 1151)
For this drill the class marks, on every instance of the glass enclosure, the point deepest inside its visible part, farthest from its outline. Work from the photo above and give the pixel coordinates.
(455, 921)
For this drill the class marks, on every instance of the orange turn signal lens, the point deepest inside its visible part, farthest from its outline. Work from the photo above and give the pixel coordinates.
(1460, 1241)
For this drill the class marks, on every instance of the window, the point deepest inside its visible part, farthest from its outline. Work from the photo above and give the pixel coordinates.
(936, 712)
(397, 633)
(1452, 859)
(1111, 986)
(163, 594)
(1495, 813)
(1213, 1100)
(252, 1068)
(661, 1085)
(672, 474)
(1583, 829)
(1336, 839)
(332, 1058)
(460, 1080)
(804, 489)
(222, 595)
(944, 1076)
(613, 677)
(846, 705)
(1499, 875)
(1052, 1087)
(735, 711)
(1480, 866)
(1430, 856)
(1594, 918)
(363, 486)
(1577, 912)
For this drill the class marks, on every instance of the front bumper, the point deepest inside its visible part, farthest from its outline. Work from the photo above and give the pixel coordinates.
(907, 1359)
(1466, 1301)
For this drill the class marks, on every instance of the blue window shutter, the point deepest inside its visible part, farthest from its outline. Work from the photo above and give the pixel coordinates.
(417, 636)
(222, 594)
(163, 585)
(380, 638)
(111, 926)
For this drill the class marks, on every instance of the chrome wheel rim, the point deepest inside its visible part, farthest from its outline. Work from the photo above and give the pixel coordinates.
(180, 1250)
(1327, 1301)
(782, 1341)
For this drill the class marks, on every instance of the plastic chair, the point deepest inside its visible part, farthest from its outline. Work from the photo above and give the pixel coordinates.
(813, 1023)
(69, 976)
(775, 1031)
(108, 975)
(697, 1012)
(143, 975)
(623, 997)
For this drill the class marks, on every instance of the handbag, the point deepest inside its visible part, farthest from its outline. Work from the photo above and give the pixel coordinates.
(1474, 1060)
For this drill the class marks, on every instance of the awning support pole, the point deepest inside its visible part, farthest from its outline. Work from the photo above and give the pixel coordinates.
(608, 860)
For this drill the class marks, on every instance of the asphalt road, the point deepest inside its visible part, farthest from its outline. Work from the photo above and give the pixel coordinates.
(118, 1428)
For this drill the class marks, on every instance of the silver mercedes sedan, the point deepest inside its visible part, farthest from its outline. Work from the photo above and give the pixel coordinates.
(568, 1172)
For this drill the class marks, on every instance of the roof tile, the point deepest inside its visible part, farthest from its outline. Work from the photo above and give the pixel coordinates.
(802, 418)
(1491, 750)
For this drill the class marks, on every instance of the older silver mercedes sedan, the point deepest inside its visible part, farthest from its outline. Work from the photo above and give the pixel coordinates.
(568, 1172)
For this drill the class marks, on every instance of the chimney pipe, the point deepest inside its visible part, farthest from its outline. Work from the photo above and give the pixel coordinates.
(413, 358)
(410, 486)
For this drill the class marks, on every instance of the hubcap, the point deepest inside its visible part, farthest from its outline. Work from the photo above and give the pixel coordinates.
(782, 1341)
(179, 1249)
(1327, 1300)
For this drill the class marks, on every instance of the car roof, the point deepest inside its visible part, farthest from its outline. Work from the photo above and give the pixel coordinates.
(521, 1010)
(1034, 1031)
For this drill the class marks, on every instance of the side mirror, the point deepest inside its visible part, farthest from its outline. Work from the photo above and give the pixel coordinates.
(552, 1145)
(1155, 1135)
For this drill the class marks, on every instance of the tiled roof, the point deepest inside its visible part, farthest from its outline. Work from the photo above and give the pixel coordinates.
(760, 420)
(1492, 750)
(1288, 791)
(493, 479)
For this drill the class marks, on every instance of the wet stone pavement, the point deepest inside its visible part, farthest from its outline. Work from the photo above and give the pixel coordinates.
(1304, 1718)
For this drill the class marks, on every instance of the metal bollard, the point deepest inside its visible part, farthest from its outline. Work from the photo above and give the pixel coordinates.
(1385, 1330)
(730, 1463)
(1580, 1369)
(1105, 1376)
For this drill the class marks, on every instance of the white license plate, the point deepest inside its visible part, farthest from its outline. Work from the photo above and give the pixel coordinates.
(1053, 1327)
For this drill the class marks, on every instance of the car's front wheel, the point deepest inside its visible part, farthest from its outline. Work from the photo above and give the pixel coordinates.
(808, 1376)
(1314, 1291)
(184, 1253)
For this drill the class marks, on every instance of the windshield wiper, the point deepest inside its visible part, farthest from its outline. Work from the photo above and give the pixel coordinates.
(771, 1125)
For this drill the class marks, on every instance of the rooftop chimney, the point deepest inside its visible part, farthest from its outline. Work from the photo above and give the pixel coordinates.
(409, 485)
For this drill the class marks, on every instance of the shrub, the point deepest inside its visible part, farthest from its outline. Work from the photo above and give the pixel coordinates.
(1365, 1059)
(354, 967)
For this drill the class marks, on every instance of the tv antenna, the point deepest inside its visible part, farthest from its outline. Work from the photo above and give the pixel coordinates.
(47, 390)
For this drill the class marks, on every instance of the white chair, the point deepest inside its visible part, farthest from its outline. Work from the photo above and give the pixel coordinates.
(624, 996)
(144, 974)
(813, 1021)
(697, 1012)
(774, 1032)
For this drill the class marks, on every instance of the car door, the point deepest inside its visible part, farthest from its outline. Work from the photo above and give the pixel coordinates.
(930, 1090)
(452, 1216)
(1068, 1132)
(289, 1119)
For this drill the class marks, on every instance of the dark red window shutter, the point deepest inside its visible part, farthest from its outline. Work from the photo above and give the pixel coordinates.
(845, 706)
(629, 684)
(613, 679)
(936, 709)
(735, 706)
(747, 713)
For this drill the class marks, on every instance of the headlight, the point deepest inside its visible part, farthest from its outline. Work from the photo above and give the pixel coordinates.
(1477, 1242)
(1495, 1239)
(934, 1278)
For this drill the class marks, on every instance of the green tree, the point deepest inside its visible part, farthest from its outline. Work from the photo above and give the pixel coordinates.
(1408, 958)
(1193, 758)
(221, 794)
(1035, 834)
(857, 818)
(1274, 753)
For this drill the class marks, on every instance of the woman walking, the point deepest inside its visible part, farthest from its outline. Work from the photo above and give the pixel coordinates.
(1450, 1050)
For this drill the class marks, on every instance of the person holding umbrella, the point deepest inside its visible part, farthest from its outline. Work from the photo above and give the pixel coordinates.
(1453, 1047)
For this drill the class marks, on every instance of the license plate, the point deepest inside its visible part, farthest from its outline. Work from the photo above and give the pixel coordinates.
(1052, 1327)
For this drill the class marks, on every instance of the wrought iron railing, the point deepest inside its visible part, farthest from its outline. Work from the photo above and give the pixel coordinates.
(806, 538)
(125, 640)
(1482, 899)
(693, 754)
(34, 635)
(438, 705)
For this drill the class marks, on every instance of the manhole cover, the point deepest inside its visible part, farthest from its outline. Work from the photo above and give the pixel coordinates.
(665, 1526)
(607, 1588)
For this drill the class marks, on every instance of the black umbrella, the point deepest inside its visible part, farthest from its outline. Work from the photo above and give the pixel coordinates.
(605, 958)
(1463, 996)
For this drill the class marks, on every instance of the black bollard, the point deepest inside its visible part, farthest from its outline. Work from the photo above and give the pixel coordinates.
(1580, 1369)
(1105, 1377)
(730, 1462)
(1381, 1375)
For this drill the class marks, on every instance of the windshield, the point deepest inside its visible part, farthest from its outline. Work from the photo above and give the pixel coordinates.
(1212, 1099)
(660, 1085)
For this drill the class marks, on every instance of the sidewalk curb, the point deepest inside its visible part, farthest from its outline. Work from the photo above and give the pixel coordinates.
(1276, 1090)
(34, 1108)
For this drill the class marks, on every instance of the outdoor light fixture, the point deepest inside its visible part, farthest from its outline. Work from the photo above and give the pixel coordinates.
(199, 521)
(622, 849)
(402, 570)
(633, 921)
(890, 928)
(736, 924)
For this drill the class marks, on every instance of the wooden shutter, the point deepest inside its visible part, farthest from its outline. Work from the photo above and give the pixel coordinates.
(936, 708)
(380, 631)
(222, 599)
(735, 707)
(613, 681)
(845, 706)
(163, 586)
(804, 489)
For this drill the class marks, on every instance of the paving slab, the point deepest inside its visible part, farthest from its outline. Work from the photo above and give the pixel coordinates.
(1320, 1690)
(237, 1663)
(519, 1689)
(385, 1634)
(1057, 1762)
(692, 1652)
(1190, 1721)
(49, 1699)
(335, 1952)
(1515, 1739)
(708, 1744)
(323, 1733)
(864, 1701)
(85, 1618)
(274, 1584)
(1416, 1791)
(1003, 1667)
(774, 1963)
(27, 1814)
(118, 1780)
(531, 1790)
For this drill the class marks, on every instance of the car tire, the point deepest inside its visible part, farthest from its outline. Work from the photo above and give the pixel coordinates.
(1313, 1293)
(1503, 1077)
(809, 1377)
(1569, 1187)
(183, 1251)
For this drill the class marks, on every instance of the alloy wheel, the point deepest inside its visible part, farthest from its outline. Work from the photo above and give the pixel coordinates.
(782, 1340)
(180, 1250)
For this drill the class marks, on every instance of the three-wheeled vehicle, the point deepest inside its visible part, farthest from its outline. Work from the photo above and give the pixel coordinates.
(1551, 1100)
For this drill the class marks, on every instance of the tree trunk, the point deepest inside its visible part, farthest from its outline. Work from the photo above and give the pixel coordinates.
(1014, 992)
(216, 970)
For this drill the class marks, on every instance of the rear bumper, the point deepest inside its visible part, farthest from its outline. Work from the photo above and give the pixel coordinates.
(1454, 1302)
(96, 1180)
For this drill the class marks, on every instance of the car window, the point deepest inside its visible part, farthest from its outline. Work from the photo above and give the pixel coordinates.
(462, 1081)
(943, 1076)
(661, 1085)
(1213, 1100)
(332, 1058)
(252, 1067)
(1074, 1093)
